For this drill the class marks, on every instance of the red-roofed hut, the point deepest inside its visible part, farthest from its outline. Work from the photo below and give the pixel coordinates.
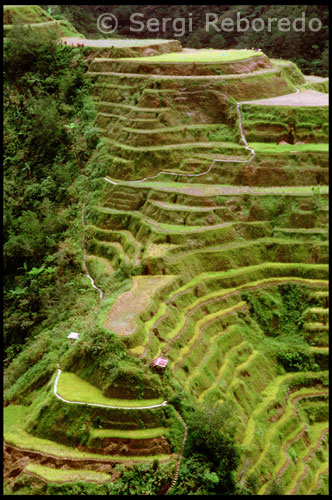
(159, 362)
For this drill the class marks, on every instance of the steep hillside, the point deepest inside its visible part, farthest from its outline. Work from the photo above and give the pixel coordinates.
(204, 242)
(34, 17)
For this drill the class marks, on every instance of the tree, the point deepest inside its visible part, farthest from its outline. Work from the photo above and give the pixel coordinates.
(211, 442)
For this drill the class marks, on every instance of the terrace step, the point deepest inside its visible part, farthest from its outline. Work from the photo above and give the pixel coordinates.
(56, 475)
(179, 234)
(300, 193)
(241, 370)
(306, 233)
(244, 174)
(129, 107)
(286, 424)
(111, 86)
(189, 145)
(180, 134)
(139, 442)
(255, 250)
(319, 434)
(186, 299)
(167, 323)
(112, 92)
(317, 313)
(124, 199)
(131, 246)
(93, 74)
(316, 333)
(299, 433)
(114, 252)
(277, 78)
(41, 450)
(217, 345)
(250, 62)
(106, 120)
(316, 325)
(105, 263)
(212, 392)
(170, 154)
(193, 341)
(182, 214)
(272, 397)
(320, 298)
(300, 442)
(321, 471)
(73, 388)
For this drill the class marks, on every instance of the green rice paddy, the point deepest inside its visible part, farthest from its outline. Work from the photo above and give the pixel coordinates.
(73, 388)
(66, 475)
(128, 434)
(202, 56)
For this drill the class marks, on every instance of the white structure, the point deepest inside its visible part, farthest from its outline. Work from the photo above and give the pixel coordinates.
(73, 336)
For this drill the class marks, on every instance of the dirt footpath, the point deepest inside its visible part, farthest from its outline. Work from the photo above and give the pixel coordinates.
(303, 98)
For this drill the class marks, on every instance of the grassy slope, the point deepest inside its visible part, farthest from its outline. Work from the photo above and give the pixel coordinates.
(202, 56)
(73, 388)
(15, 417)
(58, 475)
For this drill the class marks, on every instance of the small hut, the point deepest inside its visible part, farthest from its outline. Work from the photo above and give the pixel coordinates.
(159, 363)
(73, 336)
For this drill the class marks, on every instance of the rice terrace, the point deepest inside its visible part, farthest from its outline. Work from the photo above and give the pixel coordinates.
(166, 263)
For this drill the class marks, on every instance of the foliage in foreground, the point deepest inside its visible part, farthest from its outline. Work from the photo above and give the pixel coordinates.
(211, 455)
(139, 479)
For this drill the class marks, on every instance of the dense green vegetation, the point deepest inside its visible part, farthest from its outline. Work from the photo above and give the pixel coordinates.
(309, 49)
(48, 136)
(211, 454)
(280, 315)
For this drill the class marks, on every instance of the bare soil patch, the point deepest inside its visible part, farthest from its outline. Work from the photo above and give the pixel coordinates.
(121, 318)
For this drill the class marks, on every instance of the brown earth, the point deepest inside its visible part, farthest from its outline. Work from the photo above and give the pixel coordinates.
(15, 460)
(131, 447)
(189, 68)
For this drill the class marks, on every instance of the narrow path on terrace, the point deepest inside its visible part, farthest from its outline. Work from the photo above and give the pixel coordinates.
(253, 154)
(297, 98)
(303, 98)
(164, 403)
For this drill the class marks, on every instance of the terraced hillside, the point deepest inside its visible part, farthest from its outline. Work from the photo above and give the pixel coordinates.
(35, 17)
(215, 203)
(232, 199)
